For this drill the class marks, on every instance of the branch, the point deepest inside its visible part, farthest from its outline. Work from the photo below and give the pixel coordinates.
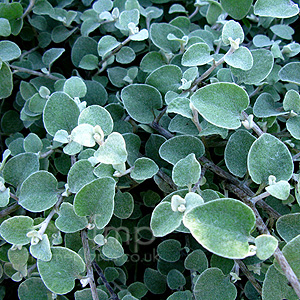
(107, 285)
(194, 12)
(255, 127)
(161, 130)
(28, 9)
(10, 209)
(32, 72)
(46, 154)
(87, 257)
(249, 275)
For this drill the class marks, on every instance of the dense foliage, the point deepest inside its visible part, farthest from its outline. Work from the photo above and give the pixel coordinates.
(150, 149)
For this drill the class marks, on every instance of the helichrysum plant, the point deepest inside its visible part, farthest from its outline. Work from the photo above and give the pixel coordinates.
(150, 149)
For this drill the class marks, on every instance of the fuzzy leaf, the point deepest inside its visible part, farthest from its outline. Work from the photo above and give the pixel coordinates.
(214, 226)
(112, 249)
(179, 147)
(68, 221)
(276, 8)
(232, 30)
(60, 113)
(75, 87)
(266, 246)
(96, 198)
(144, 168)
(241, 59)
(9, 50)
(38, 192)
(60, 272)
(6, 81)
(290, 73)
(140, 101)
(279, 190)
(196, 55)
(288, 226)
(269, 156)
(221, 104)
(41, 250)
(236, 10)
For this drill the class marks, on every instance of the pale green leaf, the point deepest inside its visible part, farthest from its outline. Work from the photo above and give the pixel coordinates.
(232, 30)
(41, 250)
(279, 190)
(266, 246)
(112, 248)
(236, 10)
(6, 81)
(124, 205)
(214, 226)
(290, 73)
(60, 272)
(144, 168)
(221, 104)
(38, 192)
(9, 50)
(276, 8)
(291, 101)
(196, 55)
(269, 156)
(75, 87)
(288, 226)
(241, 59)
(5, 29)
(51, 55)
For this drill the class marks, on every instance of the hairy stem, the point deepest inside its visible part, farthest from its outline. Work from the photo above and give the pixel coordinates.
(194, 13)
(255, 127)
(29, 8)
(249, 275)
(107, 285)
(32, 72)
(8, 210)
(88, 261)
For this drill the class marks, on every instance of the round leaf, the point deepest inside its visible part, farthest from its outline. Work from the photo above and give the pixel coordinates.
(276, 8)
(269, 156)
(232, 30)
(97, 115)
(140, 101)
(279, 190)
(41, 250)
(213, 284)
(288, 226)
(175, 280)
(293, 126)
(214, 226)
(75, 87)
(196, 55)
(221, 104)
(263, 61)
(18, 168)
(38, 192)
(112, 248)
(196, 261)
(291, 101)
(60, 272)
(186, 171)
(240, 58)
(96, 198)
(9, 51)
(14, 230)
(165, 78)
(60, 113)
(236, 152)
(154, 281)
(236, 10)
(6, 82)
(68, 221)
(266, 246)
(179, 147)
(113, 150)
(144, 168)
(169, 250)
(124, 205)
(290, 73)
(164, 220)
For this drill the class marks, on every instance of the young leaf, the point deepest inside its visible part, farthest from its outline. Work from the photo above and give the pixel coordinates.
(213, 225)
(113, 150)
(75, 87)
(221, 104)
(266, 246)
(140, 101)
(38, 192)
(291, 101)
(269, 156)
(241, 59)
(186, 171)
(60, 272)
(279, 190)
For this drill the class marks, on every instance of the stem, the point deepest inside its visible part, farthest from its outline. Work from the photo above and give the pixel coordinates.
(196, 118)
(106, 58)
(296, 156)
(289, 273)
(249, 275)
(6, 211)
(13, 196)
(32, 72)
(208, 72)
(28, 9)
(107, 285)
(87, 257)
(161, 130)
(260, 197)
(194, 12)
(197, 184)
(167, 179)
(46, 222)
(46, 154)
(255, 127)
(256, 91)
